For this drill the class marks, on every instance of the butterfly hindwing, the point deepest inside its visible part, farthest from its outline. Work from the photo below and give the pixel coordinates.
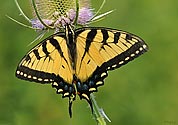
(46, 61)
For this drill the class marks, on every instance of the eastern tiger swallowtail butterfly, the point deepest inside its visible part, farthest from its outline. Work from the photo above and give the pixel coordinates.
(76, 61)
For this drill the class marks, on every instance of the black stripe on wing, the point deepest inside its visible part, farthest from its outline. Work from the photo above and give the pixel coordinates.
(133, 52)
(26, 73)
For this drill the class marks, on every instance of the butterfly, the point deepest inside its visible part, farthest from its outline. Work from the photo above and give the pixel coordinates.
(77, 61)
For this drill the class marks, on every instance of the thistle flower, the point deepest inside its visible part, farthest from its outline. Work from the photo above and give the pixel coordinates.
(55, 14)
(58, 13)
(36, 24)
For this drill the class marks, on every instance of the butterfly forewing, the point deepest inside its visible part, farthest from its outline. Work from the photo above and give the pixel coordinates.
(47, 60)
(105, 49)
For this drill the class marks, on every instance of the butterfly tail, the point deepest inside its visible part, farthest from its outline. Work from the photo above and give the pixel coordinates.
(70, 107)
(88, 99)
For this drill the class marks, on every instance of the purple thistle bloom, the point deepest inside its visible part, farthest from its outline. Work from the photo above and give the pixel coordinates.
(38, 25)
(85, 14)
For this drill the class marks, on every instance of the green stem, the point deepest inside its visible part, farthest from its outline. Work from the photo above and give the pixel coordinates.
(99, 117)
(77, 12)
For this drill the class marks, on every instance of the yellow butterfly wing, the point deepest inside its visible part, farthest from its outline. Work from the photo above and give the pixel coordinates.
(47, 61)
(102, 49)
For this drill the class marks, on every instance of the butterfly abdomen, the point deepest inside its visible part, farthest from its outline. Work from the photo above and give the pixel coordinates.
(71, 44)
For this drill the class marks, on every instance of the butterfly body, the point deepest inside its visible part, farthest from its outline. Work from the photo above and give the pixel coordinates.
(76, 61)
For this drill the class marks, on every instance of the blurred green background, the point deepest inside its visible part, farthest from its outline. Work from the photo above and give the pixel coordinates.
(144, 92)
